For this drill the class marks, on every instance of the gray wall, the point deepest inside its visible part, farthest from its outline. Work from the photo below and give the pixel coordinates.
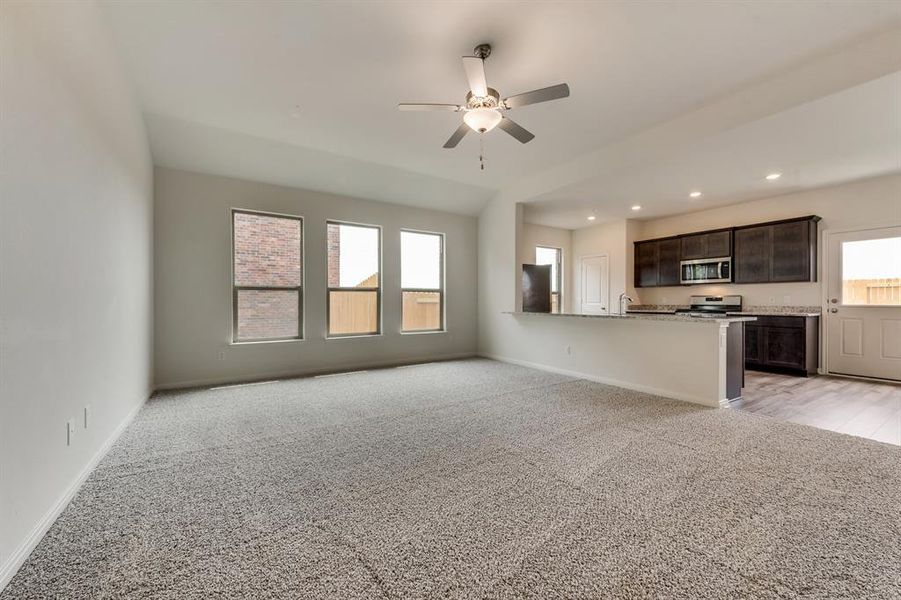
(75, 259)
(193, 282)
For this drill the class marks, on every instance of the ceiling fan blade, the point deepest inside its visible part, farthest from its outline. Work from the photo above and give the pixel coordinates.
(448, 107)
(454, 139)
(535, 96)
(475, 73)
(520, 133)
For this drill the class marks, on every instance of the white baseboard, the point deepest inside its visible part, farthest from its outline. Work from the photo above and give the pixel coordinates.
(606, 380)
(15, 560)
(371, 364)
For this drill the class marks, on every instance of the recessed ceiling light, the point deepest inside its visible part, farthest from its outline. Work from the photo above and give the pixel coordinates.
(695, 194)
(774, 176)
(591, 217)
(636, 207)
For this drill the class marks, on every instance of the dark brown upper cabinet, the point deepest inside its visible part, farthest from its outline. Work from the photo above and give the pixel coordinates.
(657, 262)
(646, 264)
(752, 254)
(715, 244)
(668, 253)
(794, 251)
(766, 252)
(776, 252)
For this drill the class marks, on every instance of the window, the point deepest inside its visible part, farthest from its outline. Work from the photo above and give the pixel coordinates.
(871, 272)
(422, 280)
(267, 259)
(354, 281)
(554, 257)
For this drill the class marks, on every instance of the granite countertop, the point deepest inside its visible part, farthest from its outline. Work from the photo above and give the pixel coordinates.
(767, 313)
(744, 313)
(748, 311)
(644, 317)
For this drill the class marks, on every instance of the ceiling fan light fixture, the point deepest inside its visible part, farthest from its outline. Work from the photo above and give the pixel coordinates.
(483, 105)
(482, 119)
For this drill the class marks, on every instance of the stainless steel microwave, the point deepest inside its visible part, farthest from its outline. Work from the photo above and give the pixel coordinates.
(706, 270)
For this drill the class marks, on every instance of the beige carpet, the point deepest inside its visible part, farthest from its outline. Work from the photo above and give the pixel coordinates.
(471, 479)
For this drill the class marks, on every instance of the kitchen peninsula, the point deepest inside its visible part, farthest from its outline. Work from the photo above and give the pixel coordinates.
(696, 359)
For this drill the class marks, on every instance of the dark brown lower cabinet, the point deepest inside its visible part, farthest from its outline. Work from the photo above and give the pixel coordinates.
(782, 344)
(753, 353)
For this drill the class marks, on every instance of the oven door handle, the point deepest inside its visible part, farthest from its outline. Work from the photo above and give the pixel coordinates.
(719, 269)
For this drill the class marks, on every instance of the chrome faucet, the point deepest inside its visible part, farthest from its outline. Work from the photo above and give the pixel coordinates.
(623, 298)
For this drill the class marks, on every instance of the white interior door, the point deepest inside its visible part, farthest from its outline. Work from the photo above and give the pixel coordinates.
(863, 303)
(594, 284)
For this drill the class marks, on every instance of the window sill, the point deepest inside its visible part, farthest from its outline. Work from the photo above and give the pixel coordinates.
(430, 332)
(353, 336)
(255, 342)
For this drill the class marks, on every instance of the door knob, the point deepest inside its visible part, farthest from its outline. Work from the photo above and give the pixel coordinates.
(833, 310)
(833, 300)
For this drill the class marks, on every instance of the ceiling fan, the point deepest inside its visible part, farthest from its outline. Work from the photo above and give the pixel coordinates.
(483, 108)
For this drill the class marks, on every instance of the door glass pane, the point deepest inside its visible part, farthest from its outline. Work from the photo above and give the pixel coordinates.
(267, 251)
(422, 311)
(871, 272)
(353, 312)
(267, 314)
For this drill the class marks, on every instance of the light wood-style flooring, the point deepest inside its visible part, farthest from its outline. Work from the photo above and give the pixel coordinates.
(856, 407)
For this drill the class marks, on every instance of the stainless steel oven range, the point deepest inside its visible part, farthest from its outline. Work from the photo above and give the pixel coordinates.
(712, 306)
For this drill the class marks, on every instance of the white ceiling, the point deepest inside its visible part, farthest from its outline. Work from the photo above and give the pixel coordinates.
(853, 134)
(221, 83)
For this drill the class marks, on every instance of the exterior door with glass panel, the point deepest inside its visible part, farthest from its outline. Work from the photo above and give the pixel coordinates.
(863, 305)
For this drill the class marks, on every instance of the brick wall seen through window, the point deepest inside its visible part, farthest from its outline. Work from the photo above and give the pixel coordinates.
(268, 263)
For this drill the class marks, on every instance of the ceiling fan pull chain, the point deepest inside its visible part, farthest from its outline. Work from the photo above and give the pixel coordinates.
(482, 151)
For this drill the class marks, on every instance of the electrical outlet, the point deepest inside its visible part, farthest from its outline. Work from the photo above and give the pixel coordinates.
(87, 415)
(70, 431)
(221, 355)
